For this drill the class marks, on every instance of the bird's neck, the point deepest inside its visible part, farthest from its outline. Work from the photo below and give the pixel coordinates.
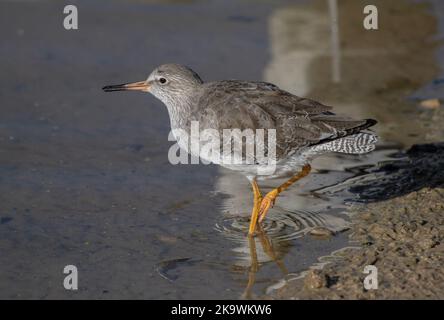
(180, 106)
(180, 111)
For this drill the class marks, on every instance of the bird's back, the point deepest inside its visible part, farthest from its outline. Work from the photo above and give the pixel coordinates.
(299, 122)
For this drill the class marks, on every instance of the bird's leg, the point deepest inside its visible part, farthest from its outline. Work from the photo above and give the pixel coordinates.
(270, 198)
(256, 204)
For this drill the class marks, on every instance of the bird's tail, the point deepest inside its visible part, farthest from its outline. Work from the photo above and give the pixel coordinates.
(358, 143)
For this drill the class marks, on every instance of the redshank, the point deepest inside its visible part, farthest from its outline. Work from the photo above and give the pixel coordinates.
(303, 127)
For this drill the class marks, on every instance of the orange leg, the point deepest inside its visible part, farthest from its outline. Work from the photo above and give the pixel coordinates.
(270, 198)
(256, 205)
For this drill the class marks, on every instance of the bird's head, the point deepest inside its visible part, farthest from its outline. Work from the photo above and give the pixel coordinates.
(168, 82)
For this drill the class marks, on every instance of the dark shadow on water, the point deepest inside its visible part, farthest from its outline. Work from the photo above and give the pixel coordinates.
(419, 167)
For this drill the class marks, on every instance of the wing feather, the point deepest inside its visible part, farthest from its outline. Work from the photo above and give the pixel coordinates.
(298, 121)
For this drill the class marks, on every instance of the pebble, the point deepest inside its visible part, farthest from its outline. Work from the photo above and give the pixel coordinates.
(430, 104)
(315, 279)
(321, 232)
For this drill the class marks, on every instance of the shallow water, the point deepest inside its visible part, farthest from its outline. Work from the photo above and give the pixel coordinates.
(85, 178)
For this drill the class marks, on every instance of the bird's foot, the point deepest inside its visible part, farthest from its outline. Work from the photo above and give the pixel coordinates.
(267, 203)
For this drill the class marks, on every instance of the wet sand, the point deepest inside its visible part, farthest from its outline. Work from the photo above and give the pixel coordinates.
(402, 237)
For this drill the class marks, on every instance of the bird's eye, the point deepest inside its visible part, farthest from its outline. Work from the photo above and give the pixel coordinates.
(162, 80)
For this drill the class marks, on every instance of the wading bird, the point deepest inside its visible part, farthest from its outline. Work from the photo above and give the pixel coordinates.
(303, 128)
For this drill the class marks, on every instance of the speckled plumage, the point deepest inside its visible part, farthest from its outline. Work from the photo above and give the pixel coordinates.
(304, 128)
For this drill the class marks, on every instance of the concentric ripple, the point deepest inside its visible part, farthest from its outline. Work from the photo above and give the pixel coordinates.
(280, 225)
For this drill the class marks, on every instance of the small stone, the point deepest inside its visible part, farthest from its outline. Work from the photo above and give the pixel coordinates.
(366, 216)
(430, 104)
(321, 232)
(315, 279)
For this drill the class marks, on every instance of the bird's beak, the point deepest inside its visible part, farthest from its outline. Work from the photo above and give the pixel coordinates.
(136, 86)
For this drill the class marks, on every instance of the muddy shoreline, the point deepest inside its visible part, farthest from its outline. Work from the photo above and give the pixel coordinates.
(402, 237)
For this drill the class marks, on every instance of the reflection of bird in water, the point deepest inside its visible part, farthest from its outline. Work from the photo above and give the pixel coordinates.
(267, 247)
(303, 128)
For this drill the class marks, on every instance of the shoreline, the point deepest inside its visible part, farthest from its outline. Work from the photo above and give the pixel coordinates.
(402, 237)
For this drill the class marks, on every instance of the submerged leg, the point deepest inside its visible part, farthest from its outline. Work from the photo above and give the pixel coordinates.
(256, 204)
(270, 198)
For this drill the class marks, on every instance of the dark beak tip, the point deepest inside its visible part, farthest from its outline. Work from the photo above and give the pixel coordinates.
(112, 88)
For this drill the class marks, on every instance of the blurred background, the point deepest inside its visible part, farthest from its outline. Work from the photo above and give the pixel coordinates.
(85, 178)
